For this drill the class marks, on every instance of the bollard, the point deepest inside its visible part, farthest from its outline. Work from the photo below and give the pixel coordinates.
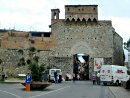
(28, 82)
(27, 87)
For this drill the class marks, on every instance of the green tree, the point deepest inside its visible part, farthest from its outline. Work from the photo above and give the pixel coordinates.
(127, 45)
(36, 70)
(34, 66)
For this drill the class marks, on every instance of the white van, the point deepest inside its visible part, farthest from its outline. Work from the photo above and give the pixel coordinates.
(50, 73)
(113, 74)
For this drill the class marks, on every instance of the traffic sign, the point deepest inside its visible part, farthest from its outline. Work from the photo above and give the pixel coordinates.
(28, 79)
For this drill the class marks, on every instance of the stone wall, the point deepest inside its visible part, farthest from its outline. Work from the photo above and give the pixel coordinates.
(11, 57)
(95, 39)
(83, 39)
(23, 40)
(118, 50)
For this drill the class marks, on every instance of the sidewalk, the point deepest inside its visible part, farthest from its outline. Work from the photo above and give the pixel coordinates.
(11, 81)
(120, 92)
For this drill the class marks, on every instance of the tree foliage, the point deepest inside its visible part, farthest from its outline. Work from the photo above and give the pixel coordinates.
(36, 71)
(34, 66)
(32, 49)
(127, 45)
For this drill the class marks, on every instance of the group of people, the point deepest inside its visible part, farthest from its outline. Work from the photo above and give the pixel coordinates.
(95, 78)
(57, 77)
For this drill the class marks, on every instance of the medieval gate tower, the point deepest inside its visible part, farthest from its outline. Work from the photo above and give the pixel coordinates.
(81, 32)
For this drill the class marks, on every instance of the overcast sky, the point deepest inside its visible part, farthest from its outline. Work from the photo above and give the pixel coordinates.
(35, 15)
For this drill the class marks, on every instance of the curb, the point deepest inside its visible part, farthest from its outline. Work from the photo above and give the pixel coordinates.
(10, 82)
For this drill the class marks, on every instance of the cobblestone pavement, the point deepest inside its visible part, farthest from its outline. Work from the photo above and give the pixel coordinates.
(120, 92)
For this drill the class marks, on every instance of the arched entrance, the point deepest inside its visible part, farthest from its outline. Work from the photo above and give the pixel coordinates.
(81, 52)
(81, 66)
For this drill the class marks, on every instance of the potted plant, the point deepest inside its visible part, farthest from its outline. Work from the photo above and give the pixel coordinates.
(36, 71)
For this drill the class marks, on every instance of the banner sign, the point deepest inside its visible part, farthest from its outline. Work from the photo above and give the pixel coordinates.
(98, 62)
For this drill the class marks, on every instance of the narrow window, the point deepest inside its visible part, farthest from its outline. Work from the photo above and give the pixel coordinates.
(73, 20)
(78, 19)
(54, 15)
(67, 19)
(83, 20)
(94, 20)
(46, 34)
(89, 20)
(68, 9)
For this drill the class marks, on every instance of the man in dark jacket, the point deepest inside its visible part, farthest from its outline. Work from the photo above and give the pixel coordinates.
(55, 76)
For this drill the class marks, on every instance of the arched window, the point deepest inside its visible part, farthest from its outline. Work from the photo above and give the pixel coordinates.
(83, 20)
(54, 15)
(67, 19)
(78, 20)
(89, 20)
(73, 20)
(94, 20)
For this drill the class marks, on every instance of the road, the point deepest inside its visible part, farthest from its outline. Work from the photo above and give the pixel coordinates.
(79, 89)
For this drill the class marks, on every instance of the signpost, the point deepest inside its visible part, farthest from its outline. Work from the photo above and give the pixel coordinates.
(28, 82)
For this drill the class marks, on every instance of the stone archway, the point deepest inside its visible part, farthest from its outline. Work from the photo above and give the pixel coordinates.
(81, 48)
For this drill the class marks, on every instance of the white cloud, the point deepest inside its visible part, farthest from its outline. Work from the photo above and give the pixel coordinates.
(25, 14)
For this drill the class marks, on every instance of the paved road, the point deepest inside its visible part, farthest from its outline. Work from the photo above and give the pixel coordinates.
(79, 89)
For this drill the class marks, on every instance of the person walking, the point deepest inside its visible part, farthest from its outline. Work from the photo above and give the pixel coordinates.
(55, 76)
(93, 78)
(98, 78)
(60, 77)
(74, 77)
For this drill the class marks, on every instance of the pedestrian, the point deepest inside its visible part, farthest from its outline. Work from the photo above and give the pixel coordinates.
(60, 77)
(93, 78)
(98, 78)
(78, 76)
(74, 77)
(66, 77)
(55, 76)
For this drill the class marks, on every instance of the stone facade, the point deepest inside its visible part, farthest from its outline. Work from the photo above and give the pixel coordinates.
(79, 32)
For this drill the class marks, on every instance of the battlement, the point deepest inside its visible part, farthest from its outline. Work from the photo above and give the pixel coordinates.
(81, 12)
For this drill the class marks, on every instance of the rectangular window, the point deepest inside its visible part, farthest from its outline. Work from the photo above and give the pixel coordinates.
(46, 34)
